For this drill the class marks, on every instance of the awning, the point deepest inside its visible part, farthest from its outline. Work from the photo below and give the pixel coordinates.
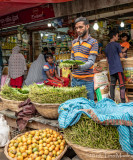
(10, 6)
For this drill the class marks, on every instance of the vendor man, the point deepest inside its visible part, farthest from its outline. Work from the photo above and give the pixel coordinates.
(84, 48)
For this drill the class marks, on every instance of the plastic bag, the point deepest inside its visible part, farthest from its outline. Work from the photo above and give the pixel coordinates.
(102, 92)
(4, 131)
(100, 79)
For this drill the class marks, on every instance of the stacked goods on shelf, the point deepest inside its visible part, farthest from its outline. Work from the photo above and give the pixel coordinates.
(37, 144)
(48, 99)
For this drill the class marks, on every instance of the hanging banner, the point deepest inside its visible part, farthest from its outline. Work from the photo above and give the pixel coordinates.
(27, 16)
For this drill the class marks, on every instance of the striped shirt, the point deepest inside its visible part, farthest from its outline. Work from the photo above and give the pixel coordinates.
(81, 52)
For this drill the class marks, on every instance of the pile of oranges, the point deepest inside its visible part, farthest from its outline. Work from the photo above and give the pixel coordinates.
(37, 145)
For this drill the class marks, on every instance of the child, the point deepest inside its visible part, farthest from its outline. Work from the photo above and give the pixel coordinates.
(4, 76)
(113, 54)
(50, 74)
(125, 45)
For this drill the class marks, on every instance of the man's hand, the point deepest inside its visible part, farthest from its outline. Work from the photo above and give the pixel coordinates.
(75, 66)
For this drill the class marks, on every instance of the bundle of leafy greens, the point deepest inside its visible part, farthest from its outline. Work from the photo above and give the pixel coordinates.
(88, 133)
(14, 93)
(70, 63)
(48, 94)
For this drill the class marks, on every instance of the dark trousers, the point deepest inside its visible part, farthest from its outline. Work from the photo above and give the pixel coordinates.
(120, 77)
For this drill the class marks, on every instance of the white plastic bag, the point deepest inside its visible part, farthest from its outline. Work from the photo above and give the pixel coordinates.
(100, 79)
(4, 131)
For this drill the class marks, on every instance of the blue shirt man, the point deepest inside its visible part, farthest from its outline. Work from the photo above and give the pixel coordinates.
(113, 54)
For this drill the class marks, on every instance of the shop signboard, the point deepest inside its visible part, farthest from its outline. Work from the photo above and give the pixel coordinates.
(27, 16)
(37, 13)
(9, 20)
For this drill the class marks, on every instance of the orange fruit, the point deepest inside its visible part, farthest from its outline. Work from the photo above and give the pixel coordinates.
(24, 154)
(20, 158)
(46, 152)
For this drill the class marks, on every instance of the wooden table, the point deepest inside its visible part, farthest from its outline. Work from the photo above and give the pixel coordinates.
(38, 122)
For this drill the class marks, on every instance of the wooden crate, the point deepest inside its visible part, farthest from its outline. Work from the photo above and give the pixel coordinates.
(129, 91)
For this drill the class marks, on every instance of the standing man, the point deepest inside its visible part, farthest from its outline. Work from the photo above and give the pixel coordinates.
(85, 49)
(113, 54)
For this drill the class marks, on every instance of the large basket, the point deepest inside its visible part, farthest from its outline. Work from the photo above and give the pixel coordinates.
(10, 104)
(48, 110)
(99, 154)
(6, 151)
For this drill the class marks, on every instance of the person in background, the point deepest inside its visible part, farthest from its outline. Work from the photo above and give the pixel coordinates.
(100, 45)
(113, 54)
(1, 64)
(50, 74)
(17, 68)
(4, 76)
(45, 51)
(53, 50)
(85, 49)
(35, 71)
(124, 44)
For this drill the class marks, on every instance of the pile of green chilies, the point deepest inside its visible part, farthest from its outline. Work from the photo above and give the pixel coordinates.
(55, 95)
(88, 133)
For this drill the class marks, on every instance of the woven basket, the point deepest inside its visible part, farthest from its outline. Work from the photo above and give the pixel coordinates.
(10, 104)
(99, 154)
(48, 110)
(10, 158)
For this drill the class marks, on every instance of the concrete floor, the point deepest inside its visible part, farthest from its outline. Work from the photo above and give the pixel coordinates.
(2, 155)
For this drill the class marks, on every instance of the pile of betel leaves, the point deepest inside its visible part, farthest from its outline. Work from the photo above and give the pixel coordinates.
(70, 63)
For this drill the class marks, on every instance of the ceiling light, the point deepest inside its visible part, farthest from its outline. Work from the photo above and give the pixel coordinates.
(49, 24)
(41, 34)
(95, 27)
(122, 24)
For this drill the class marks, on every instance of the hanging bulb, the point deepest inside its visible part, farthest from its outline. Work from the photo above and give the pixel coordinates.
(41, 35)
(122, 24)
(95, 27)
(49, 24)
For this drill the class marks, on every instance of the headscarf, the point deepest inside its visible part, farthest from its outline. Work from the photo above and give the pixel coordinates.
(35, 71)
(17, 64)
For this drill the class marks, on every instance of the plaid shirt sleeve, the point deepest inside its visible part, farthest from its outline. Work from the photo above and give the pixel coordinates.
(94, 49)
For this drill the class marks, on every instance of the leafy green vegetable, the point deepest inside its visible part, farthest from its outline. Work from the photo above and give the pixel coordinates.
(88, 133)
(14, 93)
(70, 63)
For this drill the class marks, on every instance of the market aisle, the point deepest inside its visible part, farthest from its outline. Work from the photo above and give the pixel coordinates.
(2, 155)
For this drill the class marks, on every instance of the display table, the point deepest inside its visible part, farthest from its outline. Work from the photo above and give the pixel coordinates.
(37, 122)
